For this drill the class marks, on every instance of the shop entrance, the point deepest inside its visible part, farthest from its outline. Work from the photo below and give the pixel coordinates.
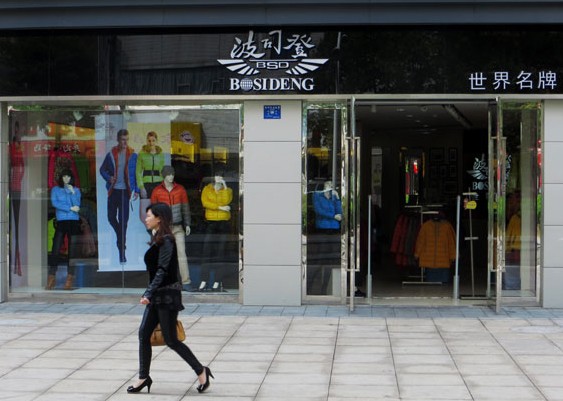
(385, 182)
(416, 159)
(383, 185)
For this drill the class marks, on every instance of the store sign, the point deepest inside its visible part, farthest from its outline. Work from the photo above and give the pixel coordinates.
(287, 55)
(503, 81)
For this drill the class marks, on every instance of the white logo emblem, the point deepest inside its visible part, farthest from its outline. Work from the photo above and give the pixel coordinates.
(480, 171)
(248, 58)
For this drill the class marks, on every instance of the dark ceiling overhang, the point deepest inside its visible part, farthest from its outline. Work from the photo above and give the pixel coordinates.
(130, 14)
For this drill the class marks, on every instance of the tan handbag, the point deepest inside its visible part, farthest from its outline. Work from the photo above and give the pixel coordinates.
(157, 338)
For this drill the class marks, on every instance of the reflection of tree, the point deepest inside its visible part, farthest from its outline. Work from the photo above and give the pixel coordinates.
(52, 65)
(431, 61)
(320, 127)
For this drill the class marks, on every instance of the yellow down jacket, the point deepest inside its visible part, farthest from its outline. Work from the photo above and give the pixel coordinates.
(435, 244)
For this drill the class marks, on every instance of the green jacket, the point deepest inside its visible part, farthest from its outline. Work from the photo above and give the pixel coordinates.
(149, 166)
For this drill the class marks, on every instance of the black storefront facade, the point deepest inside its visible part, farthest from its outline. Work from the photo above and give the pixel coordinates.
(386, 120)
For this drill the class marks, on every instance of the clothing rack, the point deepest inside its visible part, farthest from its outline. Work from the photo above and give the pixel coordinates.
(420, 278)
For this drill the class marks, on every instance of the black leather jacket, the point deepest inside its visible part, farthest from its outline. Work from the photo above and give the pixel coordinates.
(164, 287)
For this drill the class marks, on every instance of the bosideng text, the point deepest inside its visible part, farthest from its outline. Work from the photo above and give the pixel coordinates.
(274, 84)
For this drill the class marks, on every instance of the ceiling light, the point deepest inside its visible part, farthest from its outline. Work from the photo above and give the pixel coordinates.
(77, 115)
(455, 113)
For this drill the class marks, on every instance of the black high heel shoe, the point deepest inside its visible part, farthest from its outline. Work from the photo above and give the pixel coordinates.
(147, 383)
(202, 387)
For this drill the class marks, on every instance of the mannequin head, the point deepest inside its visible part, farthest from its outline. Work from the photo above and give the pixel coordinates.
(328, 186)
(65, 178)
(168, 174)
(219, 183)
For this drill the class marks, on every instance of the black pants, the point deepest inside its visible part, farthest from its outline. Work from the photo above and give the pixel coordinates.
(118, 216)
(65, 228)
(214, 249)
(167, 319)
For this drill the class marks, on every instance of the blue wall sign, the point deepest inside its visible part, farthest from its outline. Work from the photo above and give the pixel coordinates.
(272, 112)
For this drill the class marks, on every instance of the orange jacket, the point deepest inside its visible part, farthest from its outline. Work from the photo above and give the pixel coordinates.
(435, 244)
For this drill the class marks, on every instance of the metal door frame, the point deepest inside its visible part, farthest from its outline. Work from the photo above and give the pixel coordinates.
(497, 207)
(340, 106)
(351, 169)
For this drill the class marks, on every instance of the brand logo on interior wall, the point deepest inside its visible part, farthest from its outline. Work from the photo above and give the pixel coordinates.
(480, 174)
(289, 55)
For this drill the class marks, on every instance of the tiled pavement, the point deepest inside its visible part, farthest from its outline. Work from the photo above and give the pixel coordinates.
(88, 351)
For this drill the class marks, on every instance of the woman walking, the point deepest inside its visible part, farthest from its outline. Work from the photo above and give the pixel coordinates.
(163, 299)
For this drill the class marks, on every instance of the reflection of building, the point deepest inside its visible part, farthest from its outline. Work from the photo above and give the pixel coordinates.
(327, 84)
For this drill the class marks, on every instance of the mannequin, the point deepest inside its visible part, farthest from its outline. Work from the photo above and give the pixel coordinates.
(328, 215)
(328, 208)
(174, 195)
(65, 198)
(215, 198)
(16, 179)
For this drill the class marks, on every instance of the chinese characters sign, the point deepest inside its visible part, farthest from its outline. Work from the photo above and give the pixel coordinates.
(273, 56)
(504, 81)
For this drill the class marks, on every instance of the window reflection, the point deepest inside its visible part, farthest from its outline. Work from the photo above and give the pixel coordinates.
(324, 206)
(118, 160)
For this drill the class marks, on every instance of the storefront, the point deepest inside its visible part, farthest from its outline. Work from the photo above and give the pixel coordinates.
(303, 165)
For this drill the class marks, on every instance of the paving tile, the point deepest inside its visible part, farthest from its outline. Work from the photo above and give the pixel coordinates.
(492, 369)
(363, 379)
(258, 353)
(355, 392)
(54, 396)
(506, 392)
(434, 392)
(425, 379)
(520, 380)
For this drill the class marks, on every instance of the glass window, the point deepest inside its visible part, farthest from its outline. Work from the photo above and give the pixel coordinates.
(81, 179)
(323, 214)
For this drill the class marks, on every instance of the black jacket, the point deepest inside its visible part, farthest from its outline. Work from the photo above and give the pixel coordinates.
(165, 288)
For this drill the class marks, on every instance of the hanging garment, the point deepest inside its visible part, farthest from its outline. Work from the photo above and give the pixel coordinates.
(59, 161)
(513, 233)
(404, 239)
(435, 244)
(325, 210)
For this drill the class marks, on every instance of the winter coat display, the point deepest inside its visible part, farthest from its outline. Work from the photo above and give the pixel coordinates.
(110, 167)
(149, 166)
(59, 161)
(513, 233)
(211, 200)
(435, 244)
(178, 201)
(404, 239)
(62, 200)
(17, 166)
(326, 209)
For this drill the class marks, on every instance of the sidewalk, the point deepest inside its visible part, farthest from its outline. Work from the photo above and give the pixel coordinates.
(88, 351)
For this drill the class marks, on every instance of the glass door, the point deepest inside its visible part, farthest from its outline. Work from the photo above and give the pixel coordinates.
(515, 182)
(324, 201)
(351, 186)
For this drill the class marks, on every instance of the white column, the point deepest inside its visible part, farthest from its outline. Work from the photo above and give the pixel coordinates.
(272, 204)
(552, 273)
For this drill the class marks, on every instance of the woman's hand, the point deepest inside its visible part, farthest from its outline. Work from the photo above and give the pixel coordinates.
(145, 301)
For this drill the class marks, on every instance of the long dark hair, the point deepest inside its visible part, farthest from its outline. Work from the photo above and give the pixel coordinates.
(62, 174)
(164, 213)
